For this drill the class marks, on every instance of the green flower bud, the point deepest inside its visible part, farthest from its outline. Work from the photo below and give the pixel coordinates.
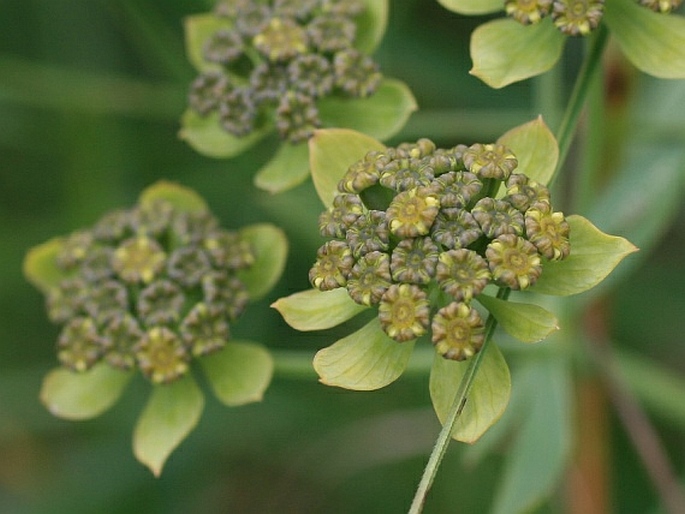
(281, 39)
(138, 259)
(204, 330)
(458, 331)
(237, 111)
(523, 192)
(343, 7)
(411, 213)
(75, 249)
(577, 17)
(548, 231)
(192, 228)
(337, 219)
(355, 73)
(297, 117)
(300, 9)
(160, 303)
(455, 189)
(455, 228)
(370, 278)
(114, 227)
(404, 312)
(368, 233)
(664, 6)
(162, 356)
(406, 173)
(414, 260)
(490, 161)
(497, 217)
(513, 261)
(97, 265)
(79, 345)
(528, 11)
(332, 267)
(444, 161)
(187, 265)
(269, 82)
(251, 18)
(462, 274)
(311, 74)
(226, 292)
(331, 33)
(227, 250)
(119, 338)
(152, 219)
(67, 300)
(105, 300)
(363, 174)
(223, 47)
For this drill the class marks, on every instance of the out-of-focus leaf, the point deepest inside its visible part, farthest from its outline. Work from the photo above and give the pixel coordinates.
(317, 310)
(504, 51)
(364, 361)
(526, 322)
(473, 6)
(239, 373)
(535, 147)
(205, 135)
(594, 255)
(198, 28)
(84, 395)
(486, 401)
(371, 26)
(288, 168)
(539, 454)
(381, 115)
(331, 153)
(270, 247)
(180, 197)
(654, 42)
(171, 413)
(40, 265)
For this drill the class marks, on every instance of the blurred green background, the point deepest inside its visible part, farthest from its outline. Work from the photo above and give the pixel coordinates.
(90, 96)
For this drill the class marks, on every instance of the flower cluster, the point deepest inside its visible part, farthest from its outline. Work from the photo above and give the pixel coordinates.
(420, 231)
(275, 58)
(150, 287)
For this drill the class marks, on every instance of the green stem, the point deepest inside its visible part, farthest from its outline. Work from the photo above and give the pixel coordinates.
(569, 122)
(455, 411)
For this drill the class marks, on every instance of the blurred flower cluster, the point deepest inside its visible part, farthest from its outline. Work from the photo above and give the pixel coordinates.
(275, 58)
(420, 231)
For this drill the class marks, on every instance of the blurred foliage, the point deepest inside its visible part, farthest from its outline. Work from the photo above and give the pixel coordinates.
(90, 97)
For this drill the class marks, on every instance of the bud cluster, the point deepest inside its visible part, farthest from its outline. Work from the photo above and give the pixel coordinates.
(572, 17)
(276, 58)
(420, 231)
(150, 287)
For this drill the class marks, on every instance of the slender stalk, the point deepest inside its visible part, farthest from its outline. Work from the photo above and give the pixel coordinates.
(455, 411)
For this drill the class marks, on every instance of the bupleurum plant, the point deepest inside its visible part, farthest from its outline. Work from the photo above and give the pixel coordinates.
(530, 41)
(289, 67)
(155, 289)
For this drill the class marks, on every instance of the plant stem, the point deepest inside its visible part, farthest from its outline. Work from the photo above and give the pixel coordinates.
(569, 122)
(455, 411)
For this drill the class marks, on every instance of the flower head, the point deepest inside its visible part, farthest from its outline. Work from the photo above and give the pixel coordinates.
(411, 213)
(404, 312)
(490, 161)
(514, 262)
(458, 331)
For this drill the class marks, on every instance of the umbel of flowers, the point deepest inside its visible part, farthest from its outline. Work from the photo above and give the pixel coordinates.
(154, 289)
(420, 231)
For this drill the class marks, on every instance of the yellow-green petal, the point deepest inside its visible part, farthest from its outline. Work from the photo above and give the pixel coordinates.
(371, 25)
(486, 401)
(270, 247)
(473, 6)
(653, 42)
(317, 310)
(171, 413)
(331, 153)
(363, 361)
(503, 51)
(287, 169)
(239, 373)
(78, 396)
(535, 147)
(594, 255)
(529, 323)
(182, 198)
(40, 265)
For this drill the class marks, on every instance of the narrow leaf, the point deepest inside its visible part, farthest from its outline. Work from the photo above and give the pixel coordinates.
(364, 361)
(317, 310)
(526, 322)
(78, 396)
(473, 6)
(331, 153)
(287, 169)
(486, 401)
(504, 51)
(536, 149)
(653, 42)
(371, 25)
(240, 373)
(181, 197)
(205, 135)
(270, 247)
(381, 115)
(40, 265)
(198, 28)
(594, 255)
(171, 413)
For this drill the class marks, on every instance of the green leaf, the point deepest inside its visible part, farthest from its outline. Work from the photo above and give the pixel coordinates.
(78, 396)
(538, 457)
(526, 322)
(198, 28)
(287, 169)
(371, 25)
(473, 6)
(40, 265)
(317, 310)
(487, 399)
(239, 373)
(205, 135)
(653, 42)
(331, 153)
(180, 197)
(363, 361)
(381, 115)
(504, 51)
(171, 413)
(535, 147)
(594, 255)
(270, 247)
